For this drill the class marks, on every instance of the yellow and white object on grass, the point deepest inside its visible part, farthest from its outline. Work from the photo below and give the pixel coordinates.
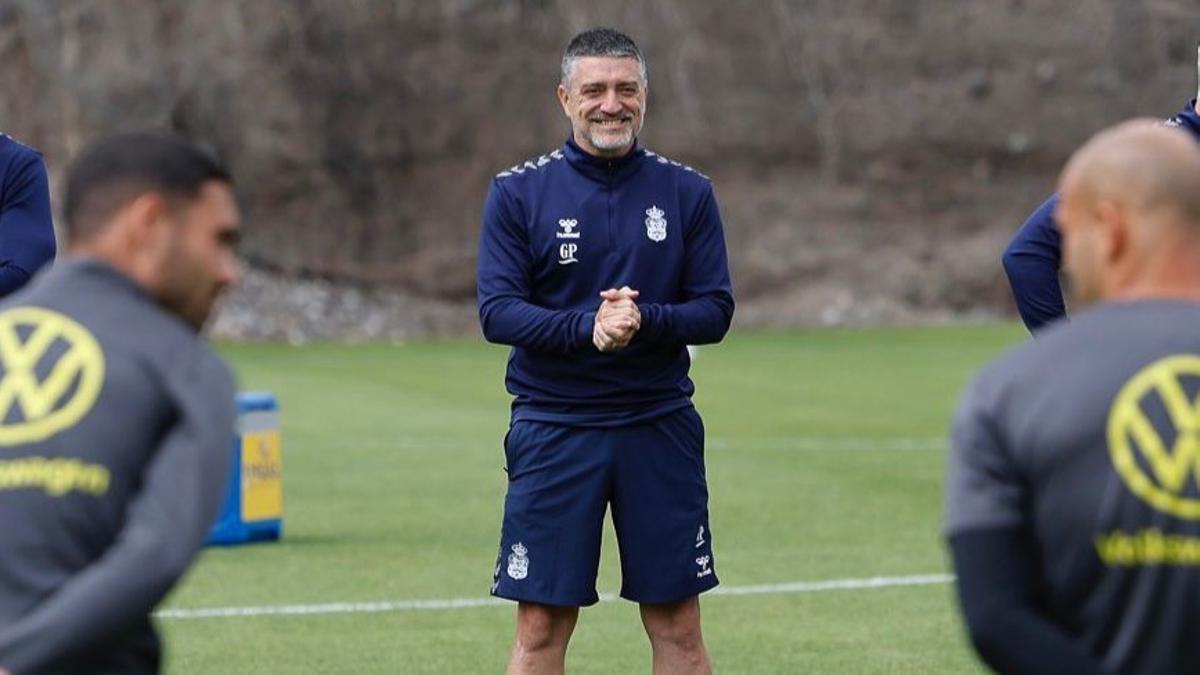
(253, 508)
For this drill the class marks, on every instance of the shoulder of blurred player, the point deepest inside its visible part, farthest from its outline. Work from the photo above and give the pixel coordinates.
(12, 149)
(17, 160)
(1187, 119)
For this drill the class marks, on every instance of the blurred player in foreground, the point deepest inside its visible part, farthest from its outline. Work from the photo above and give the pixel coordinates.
(115, 416)
(1073, 494)
(1034, 255)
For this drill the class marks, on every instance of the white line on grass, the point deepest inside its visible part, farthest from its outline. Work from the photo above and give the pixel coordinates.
(827, 443)
(719, 443)
(466, 603)
(834, 585)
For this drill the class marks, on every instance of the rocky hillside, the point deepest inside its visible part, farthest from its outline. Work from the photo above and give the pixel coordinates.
(871, 157)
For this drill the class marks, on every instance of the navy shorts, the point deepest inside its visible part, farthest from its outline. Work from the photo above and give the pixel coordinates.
(560, 481)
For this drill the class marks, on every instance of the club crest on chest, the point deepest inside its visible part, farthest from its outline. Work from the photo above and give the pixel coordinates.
(656, 224)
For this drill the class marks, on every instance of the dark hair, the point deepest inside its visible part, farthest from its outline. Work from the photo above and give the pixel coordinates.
(116, 169)
(600, 42)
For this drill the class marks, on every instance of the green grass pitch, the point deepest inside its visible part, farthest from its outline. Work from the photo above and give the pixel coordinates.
(824, 463)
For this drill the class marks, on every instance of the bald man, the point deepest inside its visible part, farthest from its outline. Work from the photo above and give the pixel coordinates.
(1073, 504)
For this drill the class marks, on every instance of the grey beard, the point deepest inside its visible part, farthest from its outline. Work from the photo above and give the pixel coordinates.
(610, 143)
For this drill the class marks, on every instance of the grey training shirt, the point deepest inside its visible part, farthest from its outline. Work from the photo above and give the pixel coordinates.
(115, 442)
(1089, 438)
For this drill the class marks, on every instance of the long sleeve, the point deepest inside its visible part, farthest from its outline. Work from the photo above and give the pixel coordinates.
(167, 523)
(26, 227)
(1034, 256)
(1031, 262)
(995, 559)
(996, 578)
(504, 282)
(707, 308)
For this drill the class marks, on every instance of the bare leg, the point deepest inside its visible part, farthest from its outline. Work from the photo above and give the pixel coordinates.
(542, 635)
(674, 631)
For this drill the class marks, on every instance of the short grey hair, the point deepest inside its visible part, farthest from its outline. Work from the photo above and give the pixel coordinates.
(601, 42)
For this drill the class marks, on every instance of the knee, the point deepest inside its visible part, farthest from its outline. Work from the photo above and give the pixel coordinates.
(677, 627)
(681, 637)
(540, 627)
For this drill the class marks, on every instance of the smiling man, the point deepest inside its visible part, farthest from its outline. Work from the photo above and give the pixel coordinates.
(599, 263)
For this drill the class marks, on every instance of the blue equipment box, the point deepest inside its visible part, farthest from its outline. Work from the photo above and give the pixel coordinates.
(253, 509)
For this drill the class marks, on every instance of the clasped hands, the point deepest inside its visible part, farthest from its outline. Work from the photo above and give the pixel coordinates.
(617, 320)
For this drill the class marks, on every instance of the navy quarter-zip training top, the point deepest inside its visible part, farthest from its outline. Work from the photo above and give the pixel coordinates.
(561, 228)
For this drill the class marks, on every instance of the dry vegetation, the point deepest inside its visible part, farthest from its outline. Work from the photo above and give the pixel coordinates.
(871, 156)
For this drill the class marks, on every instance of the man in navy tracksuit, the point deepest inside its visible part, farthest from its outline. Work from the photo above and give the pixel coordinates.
(26, 228)
(599, 262)
(1034, 255)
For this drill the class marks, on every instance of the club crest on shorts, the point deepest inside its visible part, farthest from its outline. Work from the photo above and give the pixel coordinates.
(656, 224)
(518, 562)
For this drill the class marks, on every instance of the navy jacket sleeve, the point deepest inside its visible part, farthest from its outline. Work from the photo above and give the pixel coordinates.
(996, 573)
(504, 281)
(1034, 256)
(1031, 262)
(26, 228)
(707, 308)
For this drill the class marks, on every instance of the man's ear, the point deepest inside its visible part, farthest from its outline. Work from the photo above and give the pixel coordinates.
(563, 97)
(1114, 229)
(143, 217)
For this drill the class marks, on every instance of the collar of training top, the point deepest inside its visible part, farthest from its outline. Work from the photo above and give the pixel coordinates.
(603, 168)
(100, 271)
(1188, 120)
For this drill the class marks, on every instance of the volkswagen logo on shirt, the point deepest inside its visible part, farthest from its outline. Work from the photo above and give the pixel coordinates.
(51, 372)
(1154, 435)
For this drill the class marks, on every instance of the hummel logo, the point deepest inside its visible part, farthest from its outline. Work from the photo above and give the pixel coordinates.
(568, 226)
